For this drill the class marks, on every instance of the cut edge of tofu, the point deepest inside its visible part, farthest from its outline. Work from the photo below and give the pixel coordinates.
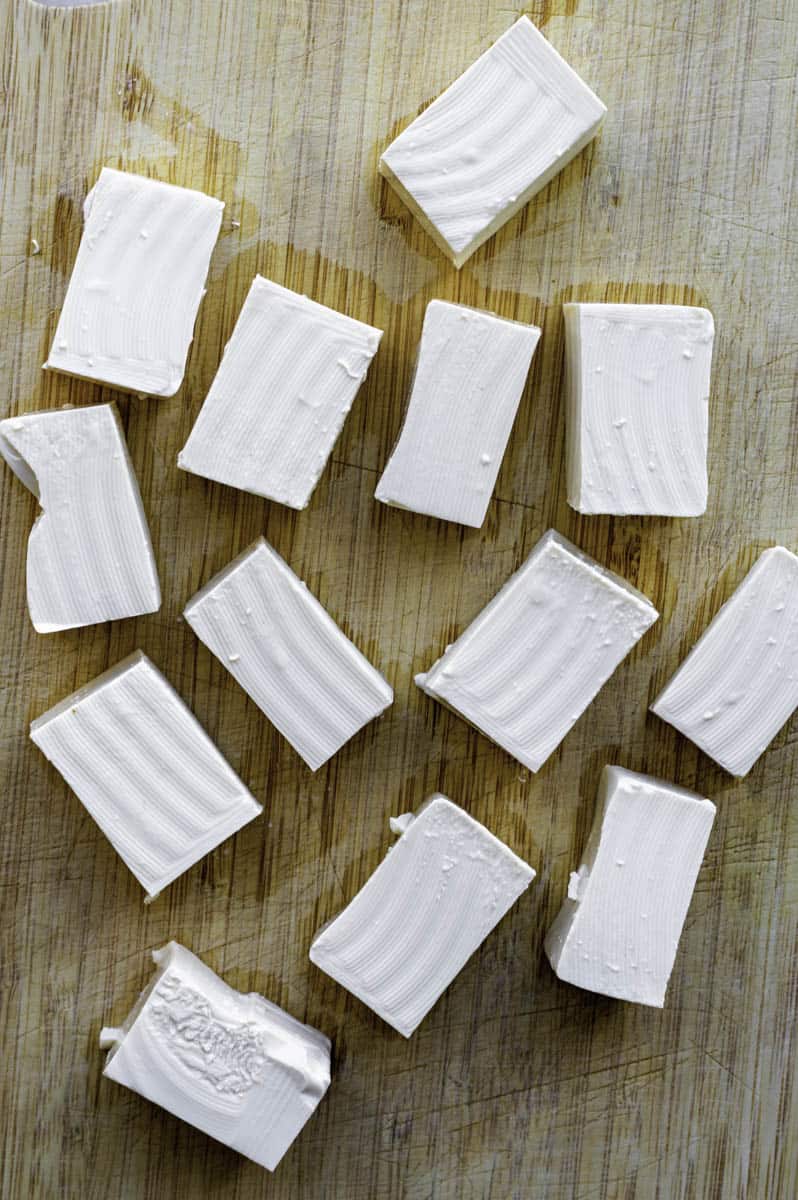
(573, 405)
(74, 698)
(111, 1038)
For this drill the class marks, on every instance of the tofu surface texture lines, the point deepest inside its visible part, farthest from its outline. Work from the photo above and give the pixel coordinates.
(430, 903)
(468, 382)
(637, 408)
(739, 684)
(146, 771)
(287, 653)
(528, 666)
(619, 928)
(493, 139)
(288, 378)
(90, 556)
(235, 1066)
(138, 279)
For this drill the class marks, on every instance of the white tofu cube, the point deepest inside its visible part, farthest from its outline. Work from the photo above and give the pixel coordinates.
(289, 375)
(526, 669)
(493, 139)
(144, 768)
(637, 408)
(235, 1066)
(469, 377)
(415, 923)
(89, 553)
(739, 683)
(129, 313)
(287, 653)
(619, 928)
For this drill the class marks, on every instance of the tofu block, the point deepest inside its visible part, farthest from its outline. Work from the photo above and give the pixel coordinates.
(469, 377)
(287, 653)
(235, 1066)
(739, 683)
(415, 923)
(289, 375)
(129, 313)
(619, 928)
(637, 408)
(493, 139)
(89, 553)
(144, 768)
(526, 669)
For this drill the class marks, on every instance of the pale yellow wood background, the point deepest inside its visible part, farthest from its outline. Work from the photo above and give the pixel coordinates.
(516, 1085)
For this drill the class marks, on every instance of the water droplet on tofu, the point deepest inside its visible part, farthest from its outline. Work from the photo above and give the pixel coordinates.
(352, 371)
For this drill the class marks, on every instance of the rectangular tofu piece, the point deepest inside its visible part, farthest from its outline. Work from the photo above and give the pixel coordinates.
(619, 928)
(287, 653)
(233, 1065)
(470, 374)
(90, 556)
(129, 313)
(526, 669)
(144, 768)
(637, 408)
(289, 375)
(739, 683)
(493, 139)
(415, 923)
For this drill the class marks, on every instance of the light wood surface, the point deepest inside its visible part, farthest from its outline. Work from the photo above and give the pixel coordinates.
(516, 1085)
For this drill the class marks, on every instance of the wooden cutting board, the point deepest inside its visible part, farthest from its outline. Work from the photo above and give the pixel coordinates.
(516, 1085)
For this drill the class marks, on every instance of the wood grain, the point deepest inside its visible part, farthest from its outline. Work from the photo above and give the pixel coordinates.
(515, 1085)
